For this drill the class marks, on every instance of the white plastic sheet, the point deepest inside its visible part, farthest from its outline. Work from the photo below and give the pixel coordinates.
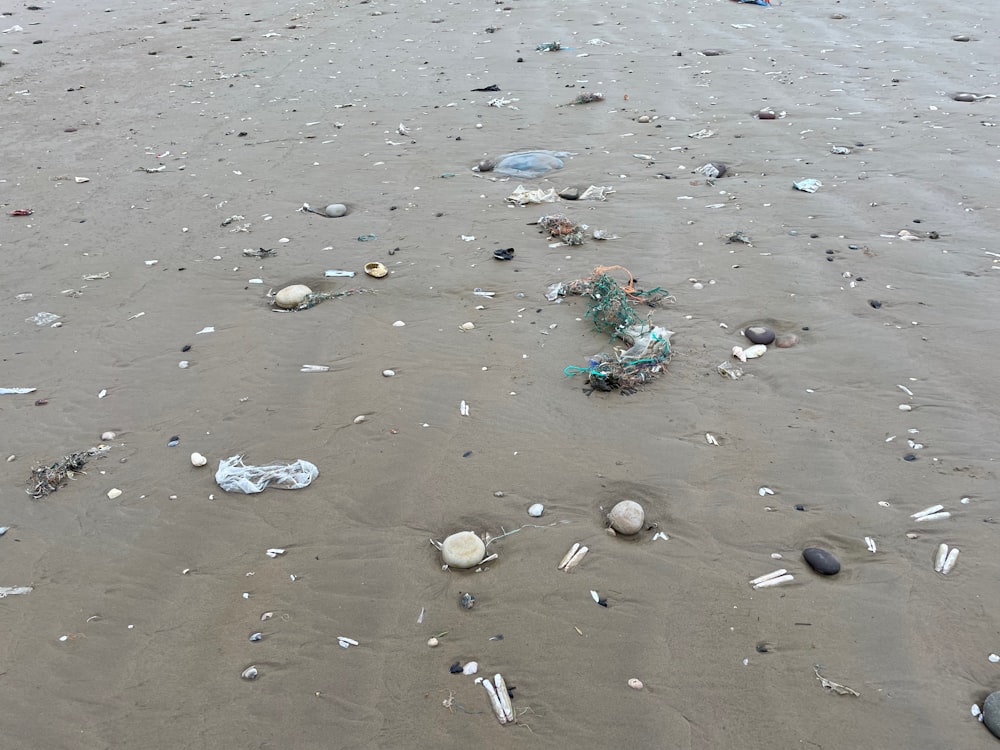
(235, 476)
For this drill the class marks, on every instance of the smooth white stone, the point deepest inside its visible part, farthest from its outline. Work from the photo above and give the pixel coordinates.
(198, 460)
(335, 210)
(627, 517)
(536, 510)
(464, 549)
(292, 296)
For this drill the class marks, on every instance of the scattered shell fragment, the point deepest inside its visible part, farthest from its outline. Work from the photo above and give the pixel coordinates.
(575, 559)
(275, 552)
(536, 510)
(569, 555)
(108, 436)
(470, 668)
(388, 373)
(114, 493)
(927, 511)
(250, 673)
(774, 578)
(870, 543)
(635, 684)
(198, 460)
(498, 709)
(344, 642)
(711, 439)
(468, 326)
(762, 491)
(360, 418)
(433, 642)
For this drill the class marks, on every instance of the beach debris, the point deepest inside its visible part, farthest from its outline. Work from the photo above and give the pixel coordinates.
(339, 274)
(114, 493)
(6, 591)
(466, 600)
(635, 683)
(250, 673)
(703, 133)
(499, 698)
(16, 391)
(968, 96)
(522, 196)
(536, 510)
(44, 319)
(611, 308)
(573, 558)
(561, 227)
(774, 578)
(711, 439)
(808, 185)
(933, 513)
(547, 47)
(821, 560)
(627, 517)
(842, 150)
(463, 408)
(259, 253)
(48, 479)
(275, 552)
(597, 598)
(739, 236)
(730, 370)
(197, 459)
(835, 687)
(256, 637)
(21, 212)
(314, 368)
(235, 476)
(463, 549)
(344, 642)
(376, 270)
(945, 559)
(870, 543)
(586, 97)
(713, 170)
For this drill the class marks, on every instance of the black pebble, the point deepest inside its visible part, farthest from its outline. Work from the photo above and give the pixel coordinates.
(875, 303)
(759, 334)
(456, 668)
(763, 648)
(910, 457)
(186, 348)
(800, 506)
(814, 236)
(466, 454)
(821, 561)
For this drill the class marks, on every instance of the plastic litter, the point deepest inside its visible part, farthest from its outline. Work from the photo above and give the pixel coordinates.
(808, 185)
(6, 391)
(235, 476)
(530, 164)
(522, 196)
(42, 319)
(335, 273)
(6, 591)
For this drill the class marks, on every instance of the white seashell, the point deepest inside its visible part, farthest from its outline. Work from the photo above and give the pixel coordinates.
(635, 684)
(184, 364)
(711, 439)
(627, 517)
(103, 393)
(291, 296)
(467, 326)
(274, 552)
(935, 517)
(949, 563)
(775, 582)
(757, 350)
(471, 668)
(905, 407)
(595, 596)
(939, 557)
(388, 373)
(569, 555)
(108, 436)
(463, 409)
(927, 511)
(977, 712)
(504, 696)
(398, 324)
(536, 510)
(576, 559)
(433, 642)
(870, 543)
(994, 658)
(360, 418)
(768, 576)
(346, 642)
(198, 460)
(4, 530)
(739, 353)
(113, 493)
(463, 549)
(266, 616)
(765, 491)
(250, 673)
(495, 702)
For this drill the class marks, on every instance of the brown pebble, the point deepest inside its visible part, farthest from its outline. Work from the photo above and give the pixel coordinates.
(786, 340)
(766, 114)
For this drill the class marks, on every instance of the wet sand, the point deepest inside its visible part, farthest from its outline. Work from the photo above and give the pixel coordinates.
(306, 108)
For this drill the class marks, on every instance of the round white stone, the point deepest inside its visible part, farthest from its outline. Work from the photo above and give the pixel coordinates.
(388, 373)
(335, 210)
(627, 517)
(463, 549)
(108, 435)
(198, 460)
(536, 510)
(292, 296)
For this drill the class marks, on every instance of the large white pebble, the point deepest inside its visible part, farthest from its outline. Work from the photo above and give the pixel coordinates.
(292, 296)
(198, 460)
(335, 210)
(627, 517)
(536, 510)
(108, 436)
(464, 549)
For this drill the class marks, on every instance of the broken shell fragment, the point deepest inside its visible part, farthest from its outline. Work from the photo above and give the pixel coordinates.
(635, 684)
(114, 493)
(627, 517)
(108, 436)
(198, 460)
(250, 673)
(468, 326)
(536, 510)
(463, 549)
(433, 642)
(292, 296)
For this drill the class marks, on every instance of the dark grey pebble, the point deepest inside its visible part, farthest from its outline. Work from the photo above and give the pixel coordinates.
(875, 303)
(962, 38)
(466, 600)
(175, 440)
(456, 668)
(991, 713)
(759, 334)
(821, 561)
(910, 457)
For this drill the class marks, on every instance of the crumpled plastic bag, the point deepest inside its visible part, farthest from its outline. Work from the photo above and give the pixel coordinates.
(235, 476)
(522, 196)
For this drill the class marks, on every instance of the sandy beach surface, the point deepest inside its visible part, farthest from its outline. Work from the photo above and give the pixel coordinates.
(201, 129)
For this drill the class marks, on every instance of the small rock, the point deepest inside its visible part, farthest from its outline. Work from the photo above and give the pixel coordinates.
(627, 517)
(536, 510)
(463, 549)
(433, 642)
(635, 684)
(292, 296)
(643, 118)
(467, 326)
(786, 340)
(759, 334)
(570, 193)
(113, 493)
(991, 713)
(335, 210)
(108, 436)
(388, 373)
(821, 561)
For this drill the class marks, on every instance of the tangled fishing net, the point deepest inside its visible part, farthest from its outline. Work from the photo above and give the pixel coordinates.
(612, 309)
